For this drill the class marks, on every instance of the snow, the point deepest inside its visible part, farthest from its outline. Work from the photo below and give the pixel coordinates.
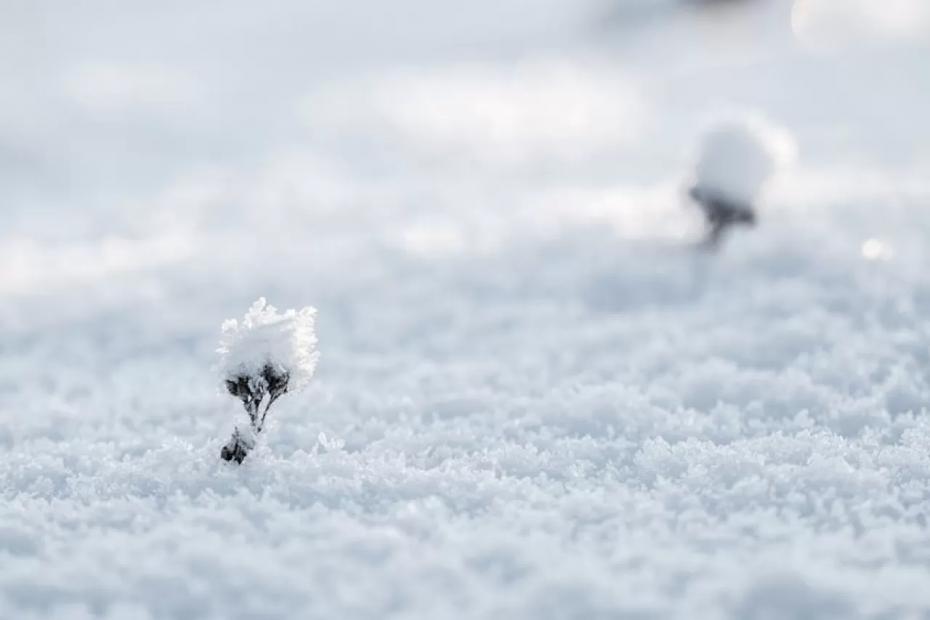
(285, 340)
(736, 158)
(534, 399)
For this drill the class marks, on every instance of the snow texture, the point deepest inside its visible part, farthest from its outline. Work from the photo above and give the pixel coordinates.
(535, 401)
(284, 340)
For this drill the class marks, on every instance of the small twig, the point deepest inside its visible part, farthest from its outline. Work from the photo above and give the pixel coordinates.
(721, 214)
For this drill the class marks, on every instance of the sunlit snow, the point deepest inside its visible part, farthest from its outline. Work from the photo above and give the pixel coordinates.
(534, 398)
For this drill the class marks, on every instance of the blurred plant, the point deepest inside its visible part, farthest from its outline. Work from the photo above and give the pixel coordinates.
(266, 355)
(735, 161)
(720, 213)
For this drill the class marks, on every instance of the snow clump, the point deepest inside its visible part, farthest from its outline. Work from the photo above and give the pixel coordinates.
(266, 355)
(737, 157)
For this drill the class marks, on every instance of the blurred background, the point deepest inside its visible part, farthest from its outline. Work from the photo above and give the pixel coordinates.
(535, 398)
(134, 139)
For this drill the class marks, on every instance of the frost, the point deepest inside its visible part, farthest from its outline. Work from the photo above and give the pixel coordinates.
(285, 340)
(330, 443)
(265, 356)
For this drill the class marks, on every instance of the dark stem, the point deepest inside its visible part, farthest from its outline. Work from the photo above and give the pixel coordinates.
(721, 214)
(251, 390)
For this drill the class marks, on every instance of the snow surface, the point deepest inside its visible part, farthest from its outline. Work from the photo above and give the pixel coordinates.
(534, 400)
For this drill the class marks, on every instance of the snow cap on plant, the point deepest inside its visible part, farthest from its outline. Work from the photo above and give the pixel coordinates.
(285, 340)
(737, 156)
(265, 356)
(735, 160)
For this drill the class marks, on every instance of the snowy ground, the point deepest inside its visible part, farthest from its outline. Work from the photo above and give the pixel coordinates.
(534, 400)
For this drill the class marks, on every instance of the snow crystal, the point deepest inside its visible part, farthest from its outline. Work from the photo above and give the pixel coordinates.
(285, 340)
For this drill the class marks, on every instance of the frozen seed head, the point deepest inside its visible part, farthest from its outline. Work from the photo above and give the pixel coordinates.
(267, 341)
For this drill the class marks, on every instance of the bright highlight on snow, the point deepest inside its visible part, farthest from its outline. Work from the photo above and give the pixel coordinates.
(266, 355)
(877, 250)
(831, 23)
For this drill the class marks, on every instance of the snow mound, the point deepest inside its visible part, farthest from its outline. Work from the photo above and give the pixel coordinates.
(737, 157)
(284, 340)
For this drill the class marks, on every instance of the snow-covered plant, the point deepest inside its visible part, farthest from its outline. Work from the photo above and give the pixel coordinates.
(735, 160)
(266, 354)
